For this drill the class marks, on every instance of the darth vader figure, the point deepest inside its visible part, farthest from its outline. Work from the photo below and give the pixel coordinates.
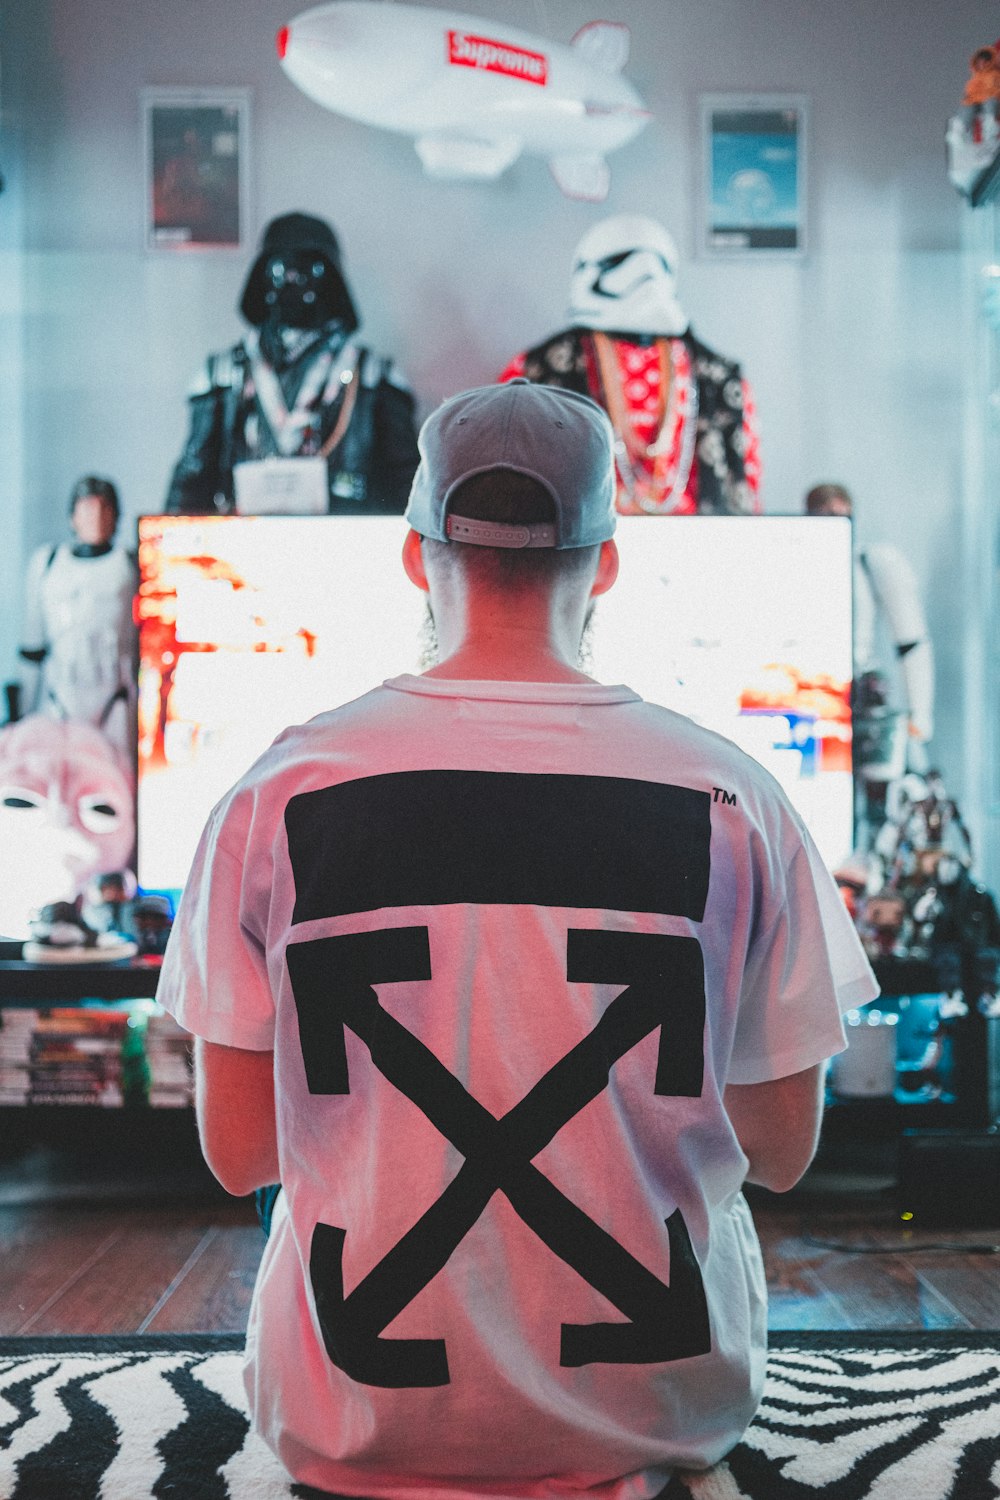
(683, 415)
(299, 416)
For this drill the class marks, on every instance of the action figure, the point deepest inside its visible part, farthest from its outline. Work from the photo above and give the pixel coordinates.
(973, 134)
(924, 857)
(66, 815)
(79, 629)
(981, 98)
(887, 741)
(684, 421)
(299, 416)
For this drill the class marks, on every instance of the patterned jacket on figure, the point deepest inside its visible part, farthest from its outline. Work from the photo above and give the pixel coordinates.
(683, 416)
(710, 459)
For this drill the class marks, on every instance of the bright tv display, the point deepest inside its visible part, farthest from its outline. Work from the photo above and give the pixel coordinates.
(744, 624)
(250, 623)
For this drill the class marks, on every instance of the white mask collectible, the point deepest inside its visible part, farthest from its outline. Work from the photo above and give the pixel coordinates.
(66, 814)
(625, 279)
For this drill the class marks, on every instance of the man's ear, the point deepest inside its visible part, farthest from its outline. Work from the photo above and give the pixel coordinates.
(413, 560)
(607, 569)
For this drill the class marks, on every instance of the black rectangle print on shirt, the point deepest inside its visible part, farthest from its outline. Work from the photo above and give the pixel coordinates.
(435, 838)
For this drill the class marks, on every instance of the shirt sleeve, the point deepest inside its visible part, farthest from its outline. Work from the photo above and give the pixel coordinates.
(804, 970)
(214, 980)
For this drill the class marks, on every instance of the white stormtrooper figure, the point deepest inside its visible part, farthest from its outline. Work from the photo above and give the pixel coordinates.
(683, 416)
(79, 629)
(625, 277)
(891, 736)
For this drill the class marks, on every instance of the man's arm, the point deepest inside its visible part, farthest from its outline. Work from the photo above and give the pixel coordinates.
(234, 1103)
(777, 1124)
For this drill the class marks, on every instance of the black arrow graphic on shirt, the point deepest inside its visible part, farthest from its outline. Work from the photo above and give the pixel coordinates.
(332, 982)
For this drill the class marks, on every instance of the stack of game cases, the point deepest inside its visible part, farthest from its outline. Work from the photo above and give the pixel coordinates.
(168, 1055)
(15, 1055)
(70, 1055)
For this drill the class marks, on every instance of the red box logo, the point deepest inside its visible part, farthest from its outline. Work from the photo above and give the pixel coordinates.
(465, 51)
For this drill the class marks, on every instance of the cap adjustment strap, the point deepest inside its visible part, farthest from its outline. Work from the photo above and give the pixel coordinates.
(499, 533)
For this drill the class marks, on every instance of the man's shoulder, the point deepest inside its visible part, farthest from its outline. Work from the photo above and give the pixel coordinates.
(316, 745)
(679, 727)
(302, 758)
(714, 762)
(377, 733)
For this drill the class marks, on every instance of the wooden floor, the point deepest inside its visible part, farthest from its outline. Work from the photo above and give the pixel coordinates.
(161, 1252)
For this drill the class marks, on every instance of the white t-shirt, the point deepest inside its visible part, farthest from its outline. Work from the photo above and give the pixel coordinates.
(509, 942)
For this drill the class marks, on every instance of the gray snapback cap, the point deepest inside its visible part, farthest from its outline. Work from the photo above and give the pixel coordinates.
(557, 437)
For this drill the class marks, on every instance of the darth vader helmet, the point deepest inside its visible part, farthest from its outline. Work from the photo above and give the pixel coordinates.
(297, 279)
(624, 279)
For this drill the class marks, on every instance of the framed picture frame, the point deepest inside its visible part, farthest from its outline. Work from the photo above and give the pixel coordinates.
(754, 153)
(196, 151)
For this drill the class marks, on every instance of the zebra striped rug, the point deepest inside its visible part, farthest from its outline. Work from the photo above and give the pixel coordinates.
(845, 1416)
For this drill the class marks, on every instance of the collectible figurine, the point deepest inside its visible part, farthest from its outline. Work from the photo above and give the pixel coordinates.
(472, 91)
(981, 99)
(922, 901)
(685, 438)
(79, 629)
(299, 416)
(60, 934)
(973, 134)
(884, 927)
(888, 739)
(106, 901)
(66, 815)
(149, 920)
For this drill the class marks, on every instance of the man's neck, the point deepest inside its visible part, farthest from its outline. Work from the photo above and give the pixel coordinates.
(479, 669)
(507, 656)
(485, 631)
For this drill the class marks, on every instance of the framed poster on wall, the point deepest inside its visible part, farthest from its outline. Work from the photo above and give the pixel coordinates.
(753, 194)
(196, 150)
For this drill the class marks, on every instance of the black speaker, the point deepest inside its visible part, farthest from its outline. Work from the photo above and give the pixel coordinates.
(950, 1177)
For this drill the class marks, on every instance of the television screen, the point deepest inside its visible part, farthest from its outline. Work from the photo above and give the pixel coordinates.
(250, 623)
(744, 624)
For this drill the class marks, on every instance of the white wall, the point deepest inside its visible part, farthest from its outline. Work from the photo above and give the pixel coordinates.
(855, 351)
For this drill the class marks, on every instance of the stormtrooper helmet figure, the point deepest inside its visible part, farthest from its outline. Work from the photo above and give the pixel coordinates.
(624, 279)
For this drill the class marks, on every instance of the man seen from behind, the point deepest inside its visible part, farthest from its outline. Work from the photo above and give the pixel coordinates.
(512, 1007)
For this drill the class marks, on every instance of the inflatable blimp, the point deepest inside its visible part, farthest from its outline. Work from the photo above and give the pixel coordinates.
(473, 93)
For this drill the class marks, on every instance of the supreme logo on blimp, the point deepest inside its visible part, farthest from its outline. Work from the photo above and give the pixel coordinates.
(481, 52)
